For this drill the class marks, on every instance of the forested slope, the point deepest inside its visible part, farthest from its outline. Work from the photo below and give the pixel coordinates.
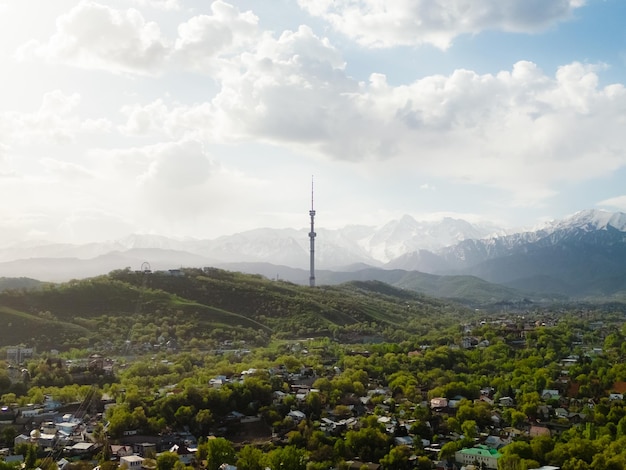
(198, 308)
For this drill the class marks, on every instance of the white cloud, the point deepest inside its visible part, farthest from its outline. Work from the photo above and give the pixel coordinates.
(379, 23)
(176, 166)
(174, 187)
(617, 203)
(204, 39)
(169, 180)
(289, 91)
(160, 4)
(519, 130)
(96, 36)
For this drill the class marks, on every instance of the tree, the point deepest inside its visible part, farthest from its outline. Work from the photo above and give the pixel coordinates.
(287, 458)
(397, 459)
(370, 444)
(423, 463)
(250, 458)
(8, 435)
(510, 462)
(9, 466)
(166, 461)
(540, 446)
(30, 459)
(217, 451)
(469, 429)
(449, 449)
(204, 419)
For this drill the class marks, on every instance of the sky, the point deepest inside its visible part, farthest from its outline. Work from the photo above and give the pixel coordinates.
(196, 119)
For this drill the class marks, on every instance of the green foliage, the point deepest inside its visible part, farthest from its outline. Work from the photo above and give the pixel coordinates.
(287, 458)
(204, 308)
(166, 461)
(362, 338)
(250, 458)
(397, 459)
(9, 466)
(369, 444)
(216, 452)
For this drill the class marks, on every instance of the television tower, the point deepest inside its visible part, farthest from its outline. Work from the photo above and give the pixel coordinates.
(312, 235)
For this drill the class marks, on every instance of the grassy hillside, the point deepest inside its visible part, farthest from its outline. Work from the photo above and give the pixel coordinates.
(469, 290)
(134, 310)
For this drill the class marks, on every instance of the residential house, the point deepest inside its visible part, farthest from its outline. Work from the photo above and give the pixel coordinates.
(403, 441)
(438, 403)
(41, 440)
(145, 449)
(297, 415)
(132, 462)
(548, 394)
(539, 431)
(119, 451)
(218, 381)
(185, 455)
(81, 448)
(481, 454)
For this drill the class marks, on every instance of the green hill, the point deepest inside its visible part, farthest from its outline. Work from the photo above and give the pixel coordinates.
(8, 283)
(129, 310)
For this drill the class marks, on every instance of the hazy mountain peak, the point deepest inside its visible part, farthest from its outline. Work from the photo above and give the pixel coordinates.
(593, 219)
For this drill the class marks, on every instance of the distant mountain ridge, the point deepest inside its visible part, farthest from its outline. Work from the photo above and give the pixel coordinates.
(334, 247)
(582, 255)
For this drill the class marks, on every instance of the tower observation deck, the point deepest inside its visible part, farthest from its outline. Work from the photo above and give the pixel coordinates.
(312, 235)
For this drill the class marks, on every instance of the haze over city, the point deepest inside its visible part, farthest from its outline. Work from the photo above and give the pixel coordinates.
(197, 119)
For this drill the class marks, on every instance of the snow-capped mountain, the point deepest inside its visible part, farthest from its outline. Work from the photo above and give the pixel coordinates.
(584, 253)
(591, 220)
(338, 247)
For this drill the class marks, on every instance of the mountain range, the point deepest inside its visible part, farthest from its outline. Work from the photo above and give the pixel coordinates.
(581, 256)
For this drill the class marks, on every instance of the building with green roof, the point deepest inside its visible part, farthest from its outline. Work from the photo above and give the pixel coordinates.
(480, 454)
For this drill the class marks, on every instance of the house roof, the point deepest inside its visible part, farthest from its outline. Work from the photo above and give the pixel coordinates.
(483, 451)
(82, 446)
(619, 387)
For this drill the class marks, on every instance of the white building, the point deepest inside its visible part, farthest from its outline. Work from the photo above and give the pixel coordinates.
(131, 461)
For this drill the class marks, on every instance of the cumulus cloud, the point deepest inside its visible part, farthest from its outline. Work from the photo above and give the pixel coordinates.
(375, 23)
(204, 39)
(519, 130)
(95, 36)
(289, 90)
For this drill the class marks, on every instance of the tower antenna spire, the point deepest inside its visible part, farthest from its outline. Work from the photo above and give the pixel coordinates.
(312, 235)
